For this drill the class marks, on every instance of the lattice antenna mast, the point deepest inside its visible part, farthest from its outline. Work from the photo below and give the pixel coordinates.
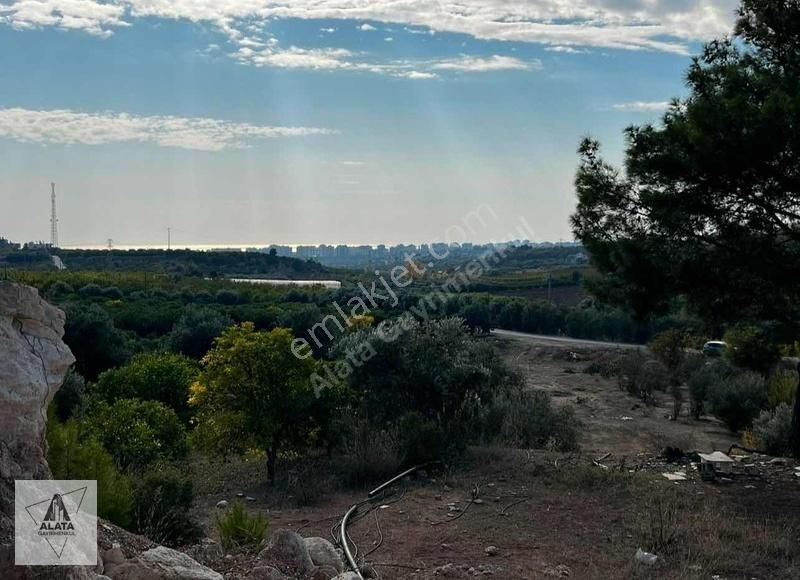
(53, 217)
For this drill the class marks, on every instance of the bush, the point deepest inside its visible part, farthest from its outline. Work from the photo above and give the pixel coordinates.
(701, 382)
(91, 290)
(669, 348)
(228, 297)
(112, 293)
(782, 387)
(237, 529)
(70, 400)
(194, 333)
(163, 377)
(137, 433)
(738, 400)
(162, 502)
(773, 430)
(73, 457)
(368, 454)
(94, 340)
(527, 419)
(641, 376)
(59, 288)
(752, 348)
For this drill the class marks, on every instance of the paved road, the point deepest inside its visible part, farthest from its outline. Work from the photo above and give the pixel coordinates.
(563, 340)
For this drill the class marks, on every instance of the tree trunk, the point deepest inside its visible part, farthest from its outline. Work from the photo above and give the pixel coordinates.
(796, 420)
(271, 456)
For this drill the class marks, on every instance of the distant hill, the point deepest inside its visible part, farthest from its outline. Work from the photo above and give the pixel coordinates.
(185, 262)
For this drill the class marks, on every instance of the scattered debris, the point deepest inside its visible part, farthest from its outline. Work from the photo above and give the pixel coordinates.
(645, 558)
(675, 476)
(626, 418)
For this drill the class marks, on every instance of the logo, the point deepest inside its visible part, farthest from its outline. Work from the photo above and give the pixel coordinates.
(55, 523)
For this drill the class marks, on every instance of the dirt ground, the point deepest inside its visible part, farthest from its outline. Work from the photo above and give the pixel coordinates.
(515, 514)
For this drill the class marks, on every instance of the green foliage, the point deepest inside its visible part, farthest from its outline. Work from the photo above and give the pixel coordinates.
(163, 377)
(782, 387)
(703, 379)
(137, 433)
(91, 290)
(71, 400)
(71, 456)
(194, 333)
(227, 297)
(669, 348)
(707, 206)
(738, 399)
(238, 529)
(751, 347)
(254, 392)
(94, 340)
(162, 507)
(642, 376)
(773, 430)
(528, 419)
(370, 453)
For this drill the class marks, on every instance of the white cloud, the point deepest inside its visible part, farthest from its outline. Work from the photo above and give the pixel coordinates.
(489, 64)
(642, 107)
(367, 27)
(415, 75)
(389, 39)
(65, 127)
(662, 25)
(566, 49)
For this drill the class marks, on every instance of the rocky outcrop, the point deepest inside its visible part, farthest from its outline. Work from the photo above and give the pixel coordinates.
(323, 553)
(33, 363)
(157, 563)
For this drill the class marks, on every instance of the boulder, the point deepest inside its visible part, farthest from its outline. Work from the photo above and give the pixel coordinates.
(347, 576)
(266, 573)
(33, 363)
(173, 564)
(323, 553)
(323, 573)
(287, 551)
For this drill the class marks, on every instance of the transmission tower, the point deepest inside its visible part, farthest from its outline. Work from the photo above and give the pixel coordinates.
(53, 218)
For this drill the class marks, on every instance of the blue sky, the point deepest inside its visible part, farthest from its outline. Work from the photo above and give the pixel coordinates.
(339, 121)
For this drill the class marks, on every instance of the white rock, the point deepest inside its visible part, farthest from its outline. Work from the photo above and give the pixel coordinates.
(347, 576)
(222, 504)
(323, 553)
(172, 564)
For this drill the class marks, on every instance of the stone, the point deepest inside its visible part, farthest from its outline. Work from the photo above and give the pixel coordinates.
(287, 551)
(171, 564)
(113, 555)
(222, 504)
(323, 573)
(323, 553)
(347, 576)
(492, 550)
(266, 573)
(33, 363)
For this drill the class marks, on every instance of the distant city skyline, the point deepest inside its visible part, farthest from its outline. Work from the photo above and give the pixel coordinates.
(304, 121)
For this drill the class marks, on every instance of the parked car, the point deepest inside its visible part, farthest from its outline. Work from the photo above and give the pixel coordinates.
(715, 348)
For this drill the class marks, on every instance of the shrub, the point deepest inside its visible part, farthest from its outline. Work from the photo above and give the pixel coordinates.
(59, 288)
(238, 529)
(782, 387)
(527, 419)
(70, 400)
(738, 400)
(73, 457)
(137, 433)
(773, 430)
(162, 502)
(112, 293)
(641, 376)
(368, 454)
(163, 377)
(701, 381)
(752, 348)
(669, 348)
(194, 333)
(91, 290)
(94, 340)
(228, 297)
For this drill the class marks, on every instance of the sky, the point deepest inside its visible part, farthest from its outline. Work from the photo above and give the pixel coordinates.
(250, 122)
